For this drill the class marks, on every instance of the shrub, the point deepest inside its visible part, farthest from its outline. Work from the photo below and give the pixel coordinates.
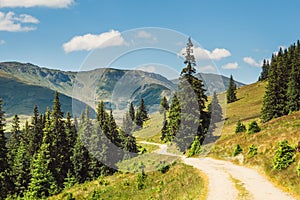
(141, 177)
(284, 155)
(238, 149)
(102, 181)
(252, 151)
(253, 127)
(195, 147)
(163, 167)
(240, 127)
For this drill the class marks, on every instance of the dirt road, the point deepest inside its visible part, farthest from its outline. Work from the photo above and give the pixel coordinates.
(221, 175)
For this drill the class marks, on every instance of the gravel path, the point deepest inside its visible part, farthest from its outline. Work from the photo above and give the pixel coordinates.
(221, 186)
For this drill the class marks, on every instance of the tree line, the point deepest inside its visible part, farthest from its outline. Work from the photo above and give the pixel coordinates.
(283, 88)
(53, 153)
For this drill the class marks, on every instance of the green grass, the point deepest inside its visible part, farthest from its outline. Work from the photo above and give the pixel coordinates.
(247, 109)
(151, 131)
(149, 147)
(180, 182)
(150, 161)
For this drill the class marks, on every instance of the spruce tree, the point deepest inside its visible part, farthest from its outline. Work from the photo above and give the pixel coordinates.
(194, 120)
(101, 113)
(164, 130)
(80, 161)
(142, 114)
(282, 91)
(231, 91)
(265, 71)
(271, 96)
(14, 140)
(21, 170)
(215, 109)
(164, 105)
(293, 92)
(127, 140)
(131, 112)
(138, 120)
(113, 133)
(173, 119)
(35, 132)
(42, 183)
(58, 144)
(127, 125)
(71, 136)
(283, 71)
(3, 157)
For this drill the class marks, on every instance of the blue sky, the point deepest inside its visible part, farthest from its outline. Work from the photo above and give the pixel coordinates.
(62, 34)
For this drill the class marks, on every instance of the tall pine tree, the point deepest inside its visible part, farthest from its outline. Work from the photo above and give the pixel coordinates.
(42, 183)
(21, 170)
(164, 105)
(131, 111)
(265, 71)
(194, 119)
(215, 109)
(14, 140)
(35, 132)
(141, 114)
(293, 92)
(4, 179)
(231, 91)
(173, 119)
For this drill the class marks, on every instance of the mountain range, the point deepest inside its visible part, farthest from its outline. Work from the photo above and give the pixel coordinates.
(23, 84)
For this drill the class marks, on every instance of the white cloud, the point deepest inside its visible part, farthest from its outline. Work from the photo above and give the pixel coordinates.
(206, 68)
(2, 42)
(233, 65)
(252, 62)
(24, 18)
(89, 41)
(204, 54)
(33, 3)
(13, 23)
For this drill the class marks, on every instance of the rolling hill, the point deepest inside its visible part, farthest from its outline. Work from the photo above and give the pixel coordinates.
(115, 87)
(247, 109)
(20, 98)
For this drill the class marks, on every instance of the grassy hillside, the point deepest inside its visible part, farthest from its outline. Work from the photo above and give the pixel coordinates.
(247, 109)
(20, 98)
(151, 131)
(180, 182)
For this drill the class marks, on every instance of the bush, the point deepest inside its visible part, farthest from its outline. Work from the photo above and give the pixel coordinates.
(238, 149)
(284, 155)
(240, 127)
(141, 177)
(163, 167)
(252, 151)
(253, 127)
(195, 147)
